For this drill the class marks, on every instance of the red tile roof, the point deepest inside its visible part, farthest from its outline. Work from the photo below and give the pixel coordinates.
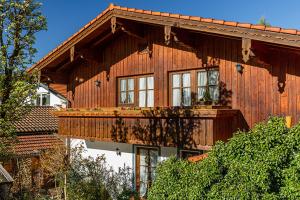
(39, 119)
(178, 16)
(34, 144)
(198, 157)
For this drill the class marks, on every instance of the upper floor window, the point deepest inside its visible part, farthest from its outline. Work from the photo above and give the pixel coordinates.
(43, 99)
(142, 95)
(127, 91)
(181, 89)
(146, 91)
(194, 85)
(208, 81)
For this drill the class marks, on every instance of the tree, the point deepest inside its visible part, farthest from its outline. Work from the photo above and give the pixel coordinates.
(20, 20)
(260, 164)
(263, 21)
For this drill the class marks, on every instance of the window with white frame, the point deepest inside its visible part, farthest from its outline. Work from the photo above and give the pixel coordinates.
(126, 91)
(142, 95)
(208, 81)
(43, 99)
(181, 89)
(188, 87)
(146, 91)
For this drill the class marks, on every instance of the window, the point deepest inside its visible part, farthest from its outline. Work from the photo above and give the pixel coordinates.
(146, 162)
(43, 99)
(127, 91)
(208, 79)
(142, 95)
(146, 91)
(181, 89)
(191, 86)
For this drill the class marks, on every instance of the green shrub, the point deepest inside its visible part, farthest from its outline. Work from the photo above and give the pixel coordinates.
(263, 163)
(93, 179)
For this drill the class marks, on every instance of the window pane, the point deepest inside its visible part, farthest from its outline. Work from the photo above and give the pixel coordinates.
(186, 80)
(153, 174)
(176, 97)
(214, 92)
(45, 99)
(130, 97)
(123, 97)
(123, 85)
(143, 180)
(153, 158)
(150, 98)
(130, 84)
(186, 96)
(38, 100)
(213, 77)
(142, 98)
(150, 82)
(142, 83)
(202, 78)
(201, 91)
(176, 80)
(143, 156)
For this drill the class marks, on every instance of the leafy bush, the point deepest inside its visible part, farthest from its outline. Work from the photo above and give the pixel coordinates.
(263, 163)
(93, 179)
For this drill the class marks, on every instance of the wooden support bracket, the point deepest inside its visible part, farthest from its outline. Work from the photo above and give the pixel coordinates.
(246, 49)
(72, 53)
(167, 35)
(113, 25)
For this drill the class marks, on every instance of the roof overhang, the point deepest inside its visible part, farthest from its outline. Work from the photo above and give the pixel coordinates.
(272, 35)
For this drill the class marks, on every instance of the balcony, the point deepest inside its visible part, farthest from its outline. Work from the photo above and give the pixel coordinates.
(193, 128)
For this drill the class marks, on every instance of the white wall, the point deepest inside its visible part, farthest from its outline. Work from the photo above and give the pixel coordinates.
(96, 148)
(55, 100)
(127, 156)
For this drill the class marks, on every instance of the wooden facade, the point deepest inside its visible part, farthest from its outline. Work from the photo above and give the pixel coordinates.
(266, 86)
(187, 128)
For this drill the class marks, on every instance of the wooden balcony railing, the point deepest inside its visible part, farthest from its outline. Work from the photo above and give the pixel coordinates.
(186, 128)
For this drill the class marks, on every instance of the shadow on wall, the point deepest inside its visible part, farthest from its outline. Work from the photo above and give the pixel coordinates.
(159, 127)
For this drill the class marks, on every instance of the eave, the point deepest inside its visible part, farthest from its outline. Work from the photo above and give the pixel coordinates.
(272, 35)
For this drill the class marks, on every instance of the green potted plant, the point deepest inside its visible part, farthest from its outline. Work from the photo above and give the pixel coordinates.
(207, 98)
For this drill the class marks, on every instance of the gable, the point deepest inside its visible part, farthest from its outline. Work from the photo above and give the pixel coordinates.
(110, 18)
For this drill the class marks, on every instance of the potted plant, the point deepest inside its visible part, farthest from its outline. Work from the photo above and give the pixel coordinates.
(207, 98)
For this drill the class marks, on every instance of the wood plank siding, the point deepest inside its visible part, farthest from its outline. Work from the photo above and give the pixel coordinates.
(196, 129)
(267, 86)
(255, 92)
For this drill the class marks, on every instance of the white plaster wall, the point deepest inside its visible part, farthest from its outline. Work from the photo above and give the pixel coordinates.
(127, 156)
(55, 101)
(96, 148)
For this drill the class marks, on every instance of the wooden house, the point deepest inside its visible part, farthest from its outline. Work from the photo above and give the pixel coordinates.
(143, 85)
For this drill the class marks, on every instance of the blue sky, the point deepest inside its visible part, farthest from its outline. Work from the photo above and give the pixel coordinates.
(65, 17)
